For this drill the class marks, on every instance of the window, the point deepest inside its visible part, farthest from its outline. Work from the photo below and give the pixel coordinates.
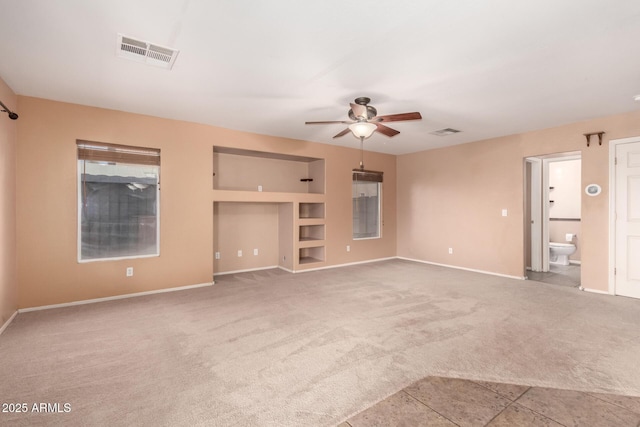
(118, 201)
(366, 192)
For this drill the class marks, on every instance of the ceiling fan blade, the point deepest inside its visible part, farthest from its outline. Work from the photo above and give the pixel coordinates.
(386, 130)
(398, 117)
(359, 110)
(343, 133)
(327, 122)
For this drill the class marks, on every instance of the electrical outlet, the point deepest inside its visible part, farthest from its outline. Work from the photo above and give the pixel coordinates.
(504, 212)
(255, 251)
(450, 251)
(259, 187)
(217, 255)
(239, 252)
(348, 248)
(129, 271)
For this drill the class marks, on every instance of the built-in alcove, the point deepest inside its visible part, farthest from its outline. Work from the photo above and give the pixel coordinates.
(271, 204)
(311, 255)
(248, 170)
(311, 233)
(311, 210)
(255, 229)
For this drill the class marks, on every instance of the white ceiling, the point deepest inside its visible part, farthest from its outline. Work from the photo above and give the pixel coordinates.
(488, 68)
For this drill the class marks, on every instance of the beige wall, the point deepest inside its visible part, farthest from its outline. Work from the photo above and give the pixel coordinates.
(48, 271)
(452, 197)
(8, 139)
(245, 227)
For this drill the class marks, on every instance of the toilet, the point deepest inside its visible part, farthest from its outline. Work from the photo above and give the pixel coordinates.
(559, 252)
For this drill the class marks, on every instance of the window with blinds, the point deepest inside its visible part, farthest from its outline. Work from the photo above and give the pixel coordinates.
(118, 201)
(366, 197)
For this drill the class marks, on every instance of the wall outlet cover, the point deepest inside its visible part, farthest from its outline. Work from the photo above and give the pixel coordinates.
(240, 252)
(129, 271)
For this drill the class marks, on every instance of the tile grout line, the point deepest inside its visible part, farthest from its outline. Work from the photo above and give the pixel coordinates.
(424, 404)
(534, 411)
(503, 409)
(506, 397)
(512, 401)
(614, 403)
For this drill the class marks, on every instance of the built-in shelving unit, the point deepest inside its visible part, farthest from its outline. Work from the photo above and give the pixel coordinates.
(311, 255)
(294, 184)
(249, 170)
(311, 211)
(310, 233)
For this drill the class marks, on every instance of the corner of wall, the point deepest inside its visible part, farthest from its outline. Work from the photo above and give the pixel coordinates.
(8, 265)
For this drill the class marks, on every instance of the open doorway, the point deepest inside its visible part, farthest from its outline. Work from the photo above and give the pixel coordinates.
(553, 198)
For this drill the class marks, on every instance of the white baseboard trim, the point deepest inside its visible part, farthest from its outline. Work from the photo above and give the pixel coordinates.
(464, 268)
(344, 265)
(115, 297)
(285, 269)
(595, 291)
(573, 261)
(6, 324)
(222, 273)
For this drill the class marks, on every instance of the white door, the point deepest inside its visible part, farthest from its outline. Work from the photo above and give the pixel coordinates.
(627, 220)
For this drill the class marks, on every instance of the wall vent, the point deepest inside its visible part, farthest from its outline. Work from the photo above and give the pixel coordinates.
(143, 51)
(444, 132)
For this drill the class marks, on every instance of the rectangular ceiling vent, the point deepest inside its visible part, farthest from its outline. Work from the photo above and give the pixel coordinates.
(143, 51)
(444, 132)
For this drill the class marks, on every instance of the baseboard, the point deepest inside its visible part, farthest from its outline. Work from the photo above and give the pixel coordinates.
(327, 267)
(6, 324)
(464, 268)
(285, 269)
(573, 261)
(595, 291)
(222, 273)
(115, 297)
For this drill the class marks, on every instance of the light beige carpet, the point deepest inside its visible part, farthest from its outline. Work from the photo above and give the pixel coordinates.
(273, 348)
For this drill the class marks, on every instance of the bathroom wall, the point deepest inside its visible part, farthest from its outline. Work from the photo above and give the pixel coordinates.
(566, 193)
(565, 189)
(558, 230)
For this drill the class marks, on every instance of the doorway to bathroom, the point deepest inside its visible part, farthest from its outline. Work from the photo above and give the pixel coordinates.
(553, 197)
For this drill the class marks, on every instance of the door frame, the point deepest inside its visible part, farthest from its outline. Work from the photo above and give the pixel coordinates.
(535, 213)
(613, 144)
(541, 163)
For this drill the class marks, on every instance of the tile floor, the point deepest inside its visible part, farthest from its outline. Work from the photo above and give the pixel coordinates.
(564, 275)
(436, 401)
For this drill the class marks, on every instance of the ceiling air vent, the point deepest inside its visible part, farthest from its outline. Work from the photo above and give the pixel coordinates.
(143, 51)
(444, 132)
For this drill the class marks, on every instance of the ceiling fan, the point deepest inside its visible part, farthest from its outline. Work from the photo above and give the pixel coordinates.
(365, 120)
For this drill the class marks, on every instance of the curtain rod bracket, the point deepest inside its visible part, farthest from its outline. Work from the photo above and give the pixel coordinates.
(12, 115)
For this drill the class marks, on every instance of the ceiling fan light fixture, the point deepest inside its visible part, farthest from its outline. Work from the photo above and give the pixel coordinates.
(362, 129)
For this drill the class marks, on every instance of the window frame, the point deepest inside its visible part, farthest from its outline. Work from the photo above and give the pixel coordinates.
(80, 170)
